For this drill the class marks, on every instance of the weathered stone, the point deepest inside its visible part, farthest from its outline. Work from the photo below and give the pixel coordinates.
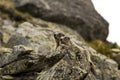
(66, 62)
(13, 54)
(15, 67)
(1, 38)
(72, 64)
(46, 62)
(115, 50)
(38, 33)
(17, 39)
(1, 22)
(6, 29)
(7, 77)
(71, 67)
(107, 68)
(32, 63)
(80, 15)
(116, 57)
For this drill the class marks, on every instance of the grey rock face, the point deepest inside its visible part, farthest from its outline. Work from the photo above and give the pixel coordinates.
(13, 54)
(80, 15)
(1, 38)
(17, 39)
(116, 57)
(65, 62)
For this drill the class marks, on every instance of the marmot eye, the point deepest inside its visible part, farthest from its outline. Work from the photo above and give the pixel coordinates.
(21, 48)
(60, 34)
(67, 38)
(55, 35)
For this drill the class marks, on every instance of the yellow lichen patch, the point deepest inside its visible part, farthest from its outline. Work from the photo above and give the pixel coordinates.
(5, 50)
(28, 49)
(8, 77)
(74, 51)
(73, 54)
(5, 37)
(78, 68)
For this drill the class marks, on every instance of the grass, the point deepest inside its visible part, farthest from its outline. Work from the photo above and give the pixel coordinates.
(100, 47)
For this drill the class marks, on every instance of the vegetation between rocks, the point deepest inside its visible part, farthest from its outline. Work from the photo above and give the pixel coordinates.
(102, 47)
(7, 10)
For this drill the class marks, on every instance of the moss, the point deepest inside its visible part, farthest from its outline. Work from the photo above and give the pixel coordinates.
(7, 10)
(100, 47)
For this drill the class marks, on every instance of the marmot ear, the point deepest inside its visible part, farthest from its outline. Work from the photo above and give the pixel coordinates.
(67, 38)
(55, 35)
(60, 34)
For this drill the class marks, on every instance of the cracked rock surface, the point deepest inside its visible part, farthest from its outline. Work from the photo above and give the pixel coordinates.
(38, 58)
(79, 15)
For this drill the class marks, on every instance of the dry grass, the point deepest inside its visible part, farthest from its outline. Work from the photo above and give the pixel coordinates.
(100, 47)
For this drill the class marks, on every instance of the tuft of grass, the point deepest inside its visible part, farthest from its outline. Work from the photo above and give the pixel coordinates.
(100, 47)
(6, 4)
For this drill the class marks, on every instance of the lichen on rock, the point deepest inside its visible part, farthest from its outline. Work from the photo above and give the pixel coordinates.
(46, 62)
(36, 49)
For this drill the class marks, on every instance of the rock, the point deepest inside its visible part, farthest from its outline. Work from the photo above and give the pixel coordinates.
(27, 64)
(104, 68)
(66, 62)
(116, 57)
(1, 22)
(35, 35)
(17, 39)
(7, 77)
(115, 50)
(6, 29)
(1, 38)
(80, 15)
(30, 51)
(108, 67)
(71, 66)
(11, 55)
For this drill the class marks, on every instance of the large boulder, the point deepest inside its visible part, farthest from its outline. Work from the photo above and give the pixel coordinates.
(80, 15)
(46, 62)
